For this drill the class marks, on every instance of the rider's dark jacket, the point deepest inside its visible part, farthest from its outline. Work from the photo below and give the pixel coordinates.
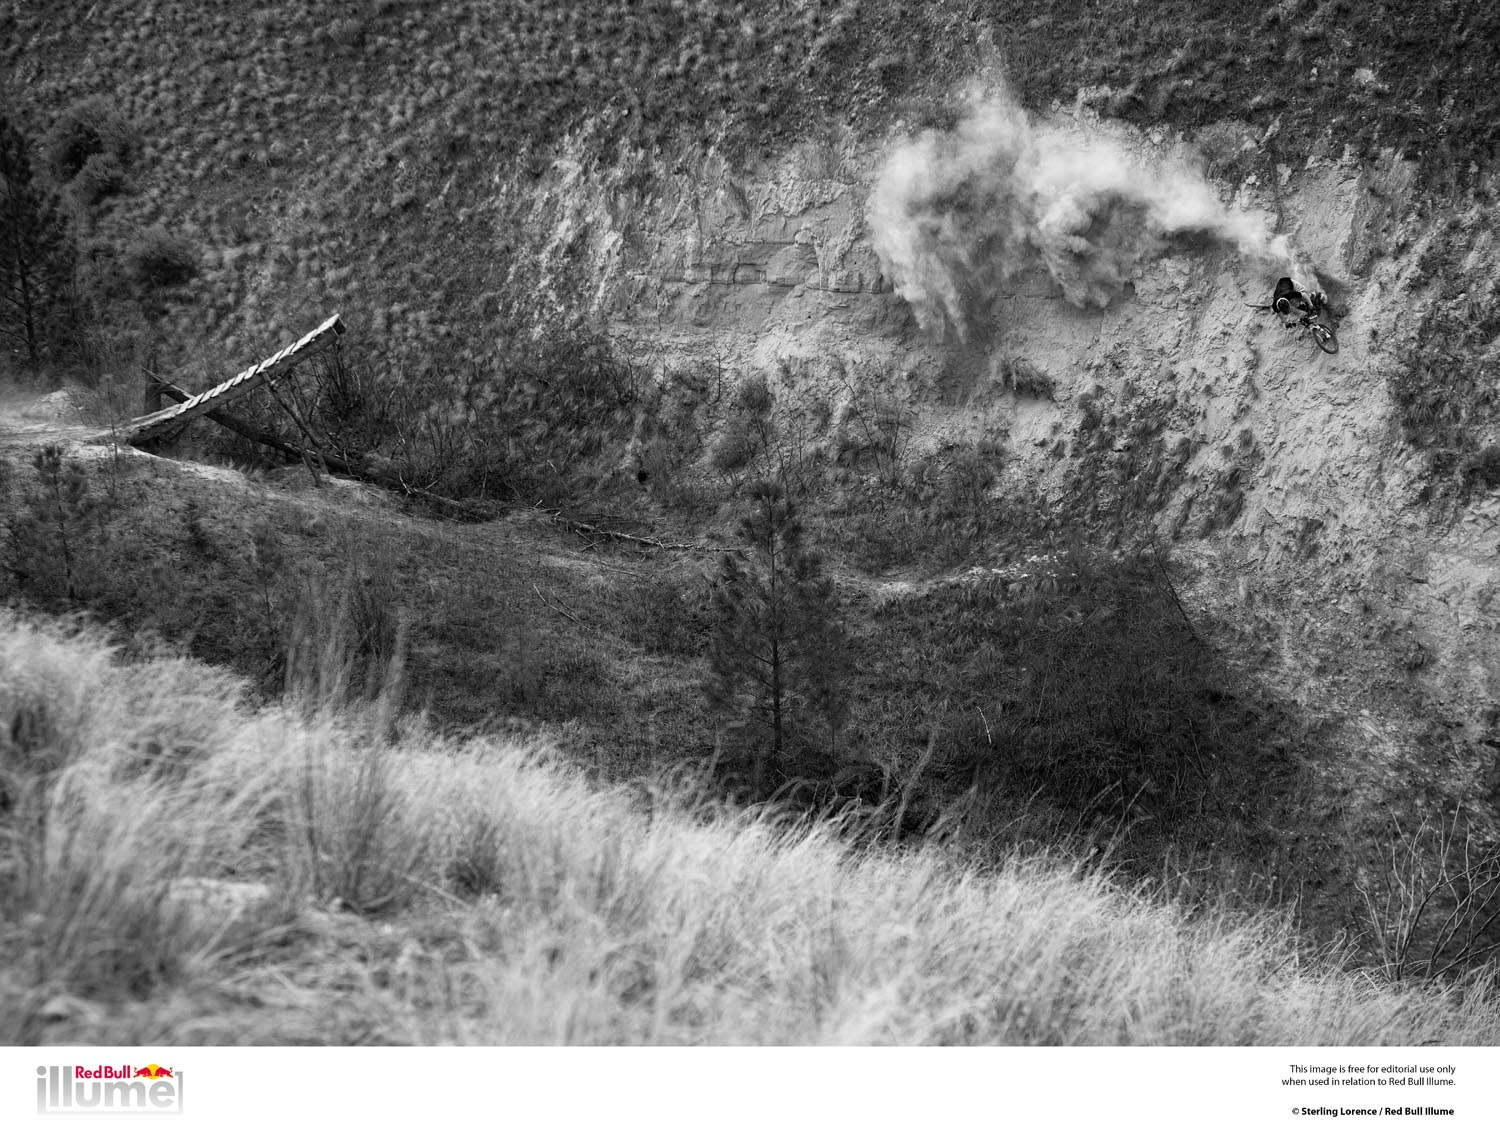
(1298, 299)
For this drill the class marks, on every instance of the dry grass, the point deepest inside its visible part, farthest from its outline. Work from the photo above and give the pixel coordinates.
(419, 891)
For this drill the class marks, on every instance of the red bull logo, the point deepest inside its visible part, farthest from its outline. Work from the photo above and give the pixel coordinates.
(108, 1089)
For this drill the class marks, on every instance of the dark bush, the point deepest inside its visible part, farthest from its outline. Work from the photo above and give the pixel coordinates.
(91, 142)
(737, 445)
(565, 408)
(1482, 468)
(157, 260)
(102, 176)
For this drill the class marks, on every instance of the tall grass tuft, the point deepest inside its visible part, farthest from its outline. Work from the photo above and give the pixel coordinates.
(108, 798)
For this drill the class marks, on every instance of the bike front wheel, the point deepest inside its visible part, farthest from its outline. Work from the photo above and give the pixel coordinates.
(1327, 343)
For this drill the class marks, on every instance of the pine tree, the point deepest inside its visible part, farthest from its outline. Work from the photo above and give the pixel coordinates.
(778, 654)
(49, 534)
(35, 252)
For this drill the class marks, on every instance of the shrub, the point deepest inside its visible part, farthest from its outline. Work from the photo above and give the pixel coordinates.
(1432, 901)
(355, 407)
(550, 420)
(1107, 709)
(157, 260)
(874, 427)
(745, 434)
(1026, 379)
(92, 146)
(741, 440)
(951, 487)
(1482, 468)
(935, 510)
(102, 177)
(754, 395)
(756, 442)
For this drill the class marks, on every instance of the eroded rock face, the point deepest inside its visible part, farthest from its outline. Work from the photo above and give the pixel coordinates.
(758, 269)
(1287, 474)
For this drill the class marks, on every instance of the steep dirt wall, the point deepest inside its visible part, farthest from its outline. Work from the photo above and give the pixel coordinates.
(1279, 470)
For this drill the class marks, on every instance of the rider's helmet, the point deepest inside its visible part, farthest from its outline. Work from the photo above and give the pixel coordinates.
(1283, 306)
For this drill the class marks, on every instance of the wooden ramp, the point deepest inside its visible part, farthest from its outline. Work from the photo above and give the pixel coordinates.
(267, 370)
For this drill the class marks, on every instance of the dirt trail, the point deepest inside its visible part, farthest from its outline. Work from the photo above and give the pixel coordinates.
(29, 418)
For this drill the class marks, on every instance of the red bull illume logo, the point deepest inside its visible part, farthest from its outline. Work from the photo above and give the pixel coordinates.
(108, 1089)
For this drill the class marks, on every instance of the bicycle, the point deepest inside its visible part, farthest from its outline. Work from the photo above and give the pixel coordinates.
(1322, 333)
(1315, 325)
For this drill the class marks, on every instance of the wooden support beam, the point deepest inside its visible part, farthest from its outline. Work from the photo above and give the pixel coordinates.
(254, 432)
(198, 405)
(355, 470)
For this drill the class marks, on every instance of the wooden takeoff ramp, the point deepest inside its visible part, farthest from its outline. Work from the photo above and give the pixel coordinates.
(267, 370)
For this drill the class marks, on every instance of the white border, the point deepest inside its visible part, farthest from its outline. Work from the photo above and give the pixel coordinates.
(772, 1090)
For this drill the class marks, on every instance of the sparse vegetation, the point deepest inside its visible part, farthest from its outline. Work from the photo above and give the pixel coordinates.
(1432, 900)
(1130, 455)
(668, 611)
(1445, 393)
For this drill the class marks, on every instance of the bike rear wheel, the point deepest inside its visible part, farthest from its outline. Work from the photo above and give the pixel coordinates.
(1323, 336)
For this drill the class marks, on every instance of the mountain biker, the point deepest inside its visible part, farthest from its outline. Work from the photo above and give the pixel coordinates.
(1292, 299)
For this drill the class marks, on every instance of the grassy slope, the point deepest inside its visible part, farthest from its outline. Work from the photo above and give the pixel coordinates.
(338, 155)
(516, 905)
(513, 623)
(500, 623)
(1420, 80)
(375, 157)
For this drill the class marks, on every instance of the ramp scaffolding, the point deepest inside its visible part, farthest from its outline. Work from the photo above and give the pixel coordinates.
(267, 370)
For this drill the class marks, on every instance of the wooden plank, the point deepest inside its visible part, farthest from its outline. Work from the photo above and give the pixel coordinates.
(254, 432)
(267, 370)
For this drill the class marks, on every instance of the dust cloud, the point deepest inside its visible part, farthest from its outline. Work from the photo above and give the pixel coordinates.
(957, 215)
